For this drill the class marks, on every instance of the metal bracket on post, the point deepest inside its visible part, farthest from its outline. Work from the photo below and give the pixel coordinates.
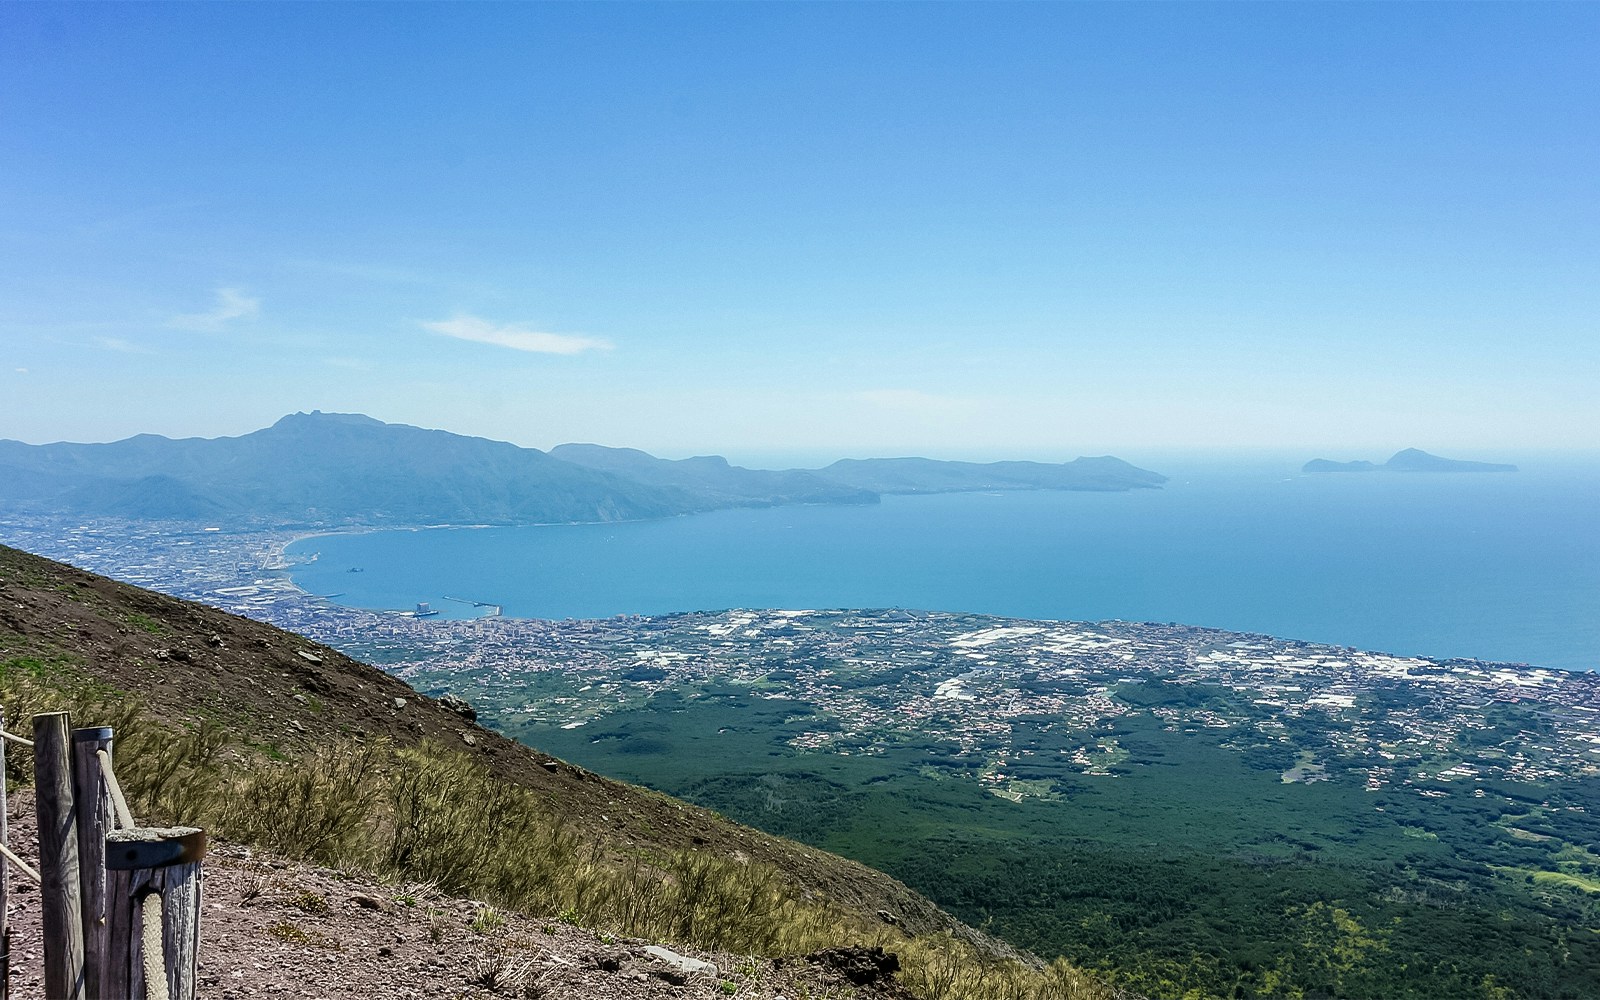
(142, 862)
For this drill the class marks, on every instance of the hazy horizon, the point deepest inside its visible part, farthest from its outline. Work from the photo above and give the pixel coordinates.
(1160, 459)
(968, 230)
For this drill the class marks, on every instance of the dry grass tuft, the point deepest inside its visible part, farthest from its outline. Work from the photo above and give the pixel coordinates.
(432, 814)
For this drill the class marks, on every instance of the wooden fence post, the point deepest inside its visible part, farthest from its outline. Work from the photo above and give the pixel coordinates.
(93, 799)
(5, 875)
(60, 904)
(165, 863)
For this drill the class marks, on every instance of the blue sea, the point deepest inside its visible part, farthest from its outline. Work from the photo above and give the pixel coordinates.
(1493, 566)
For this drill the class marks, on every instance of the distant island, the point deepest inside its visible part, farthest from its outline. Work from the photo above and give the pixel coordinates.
(344, 469)
(1409, 460)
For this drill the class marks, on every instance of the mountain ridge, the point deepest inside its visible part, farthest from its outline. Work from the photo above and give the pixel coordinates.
(331, 469)
(714, 477)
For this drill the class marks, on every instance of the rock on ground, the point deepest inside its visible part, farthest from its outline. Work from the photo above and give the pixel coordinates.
(275, 928)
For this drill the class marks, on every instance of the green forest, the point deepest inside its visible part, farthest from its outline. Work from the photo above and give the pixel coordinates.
(1190, 868)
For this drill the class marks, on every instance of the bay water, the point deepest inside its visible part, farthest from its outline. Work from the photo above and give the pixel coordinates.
(1492, 566)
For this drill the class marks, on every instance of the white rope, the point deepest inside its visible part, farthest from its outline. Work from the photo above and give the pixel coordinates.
(13, 737)
(155, 962)
(120, 804)
(26, 870)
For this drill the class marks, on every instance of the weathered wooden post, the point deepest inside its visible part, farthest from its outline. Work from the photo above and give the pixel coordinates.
(153, 912)
(92, 795)
(60, 904)
(5, 874)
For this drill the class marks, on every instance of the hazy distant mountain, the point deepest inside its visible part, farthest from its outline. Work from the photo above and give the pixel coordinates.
(1413, 460)
(923, 475)
(712, 478)
(859, 480)
(327, 467)
(340, 468)
(1409, 460)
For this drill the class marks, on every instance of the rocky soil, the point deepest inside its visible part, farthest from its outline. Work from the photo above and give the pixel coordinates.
(275, 928)
(277, 690)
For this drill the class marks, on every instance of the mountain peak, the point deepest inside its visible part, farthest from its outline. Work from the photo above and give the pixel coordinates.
(300, 418)
(348, 468)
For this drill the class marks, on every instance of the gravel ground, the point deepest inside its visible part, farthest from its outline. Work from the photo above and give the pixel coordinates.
(274, 928)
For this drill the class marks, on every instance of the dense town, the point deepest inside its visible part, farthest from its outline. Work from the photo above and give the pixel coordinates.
(887, 676)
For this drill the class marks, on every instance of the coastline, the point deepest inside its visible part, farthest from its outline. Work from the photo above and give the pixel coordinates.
(242, 576)
(1248, 555)
(285, 568)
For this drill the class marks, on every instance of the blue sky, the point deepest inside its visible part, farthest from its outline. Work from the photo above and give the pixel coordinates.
(1034, 230)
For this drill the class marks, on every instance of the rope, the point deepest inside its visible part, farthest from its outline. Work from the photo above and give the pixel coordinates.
(13, 737)
(120, 804)
(6, 851)
(155, 962)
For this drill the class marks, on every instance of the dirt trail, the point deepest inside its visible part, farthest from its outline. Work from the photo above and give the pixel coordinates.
(274, 928)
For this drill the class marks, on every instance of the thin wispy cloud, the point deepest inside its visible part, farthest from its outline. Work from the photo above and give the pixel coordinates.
(518, 338)
(232, 304)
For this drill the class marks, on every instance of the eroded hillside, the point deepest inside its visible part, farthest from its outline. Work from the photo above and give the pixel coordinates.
(271, 740)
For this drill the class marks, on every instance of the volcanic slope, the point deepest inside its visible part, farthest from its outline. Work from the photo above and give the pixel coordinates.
(266, 717)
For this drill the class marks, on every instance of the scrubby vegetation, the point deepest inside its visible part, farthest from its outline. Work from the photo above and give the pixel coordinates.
(1195, 871)
(437, 815)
